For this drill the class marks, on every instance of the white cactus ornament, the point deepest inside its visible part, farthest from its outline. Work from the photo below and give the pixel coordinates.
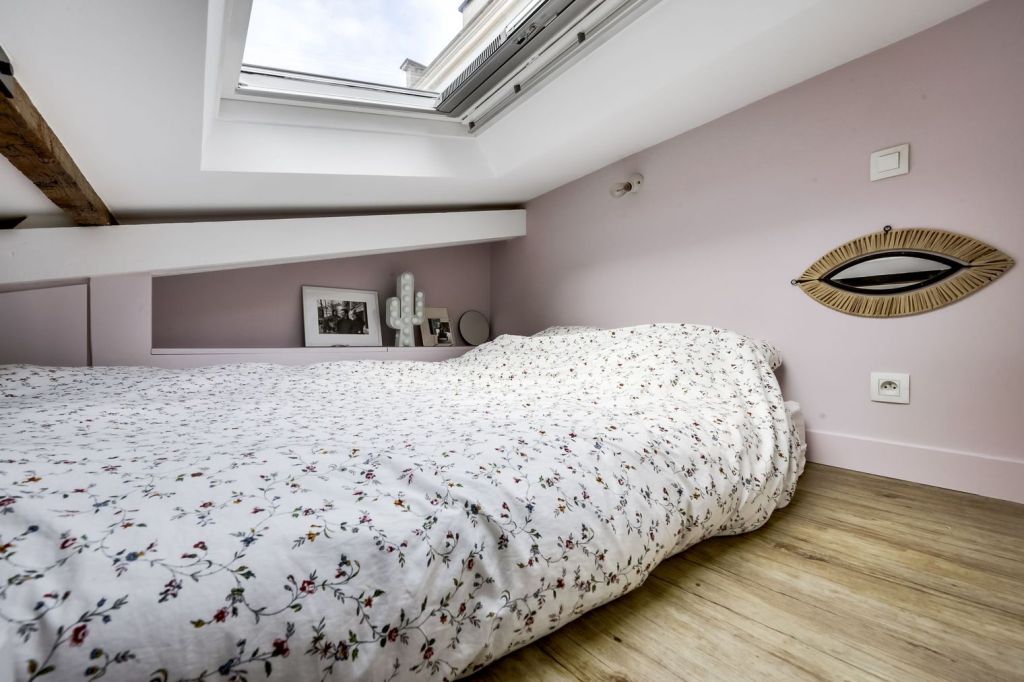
(405, 311)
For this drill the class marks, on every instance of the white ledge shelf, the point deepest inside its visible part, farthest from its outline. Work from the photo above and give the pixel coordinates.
(197, 357)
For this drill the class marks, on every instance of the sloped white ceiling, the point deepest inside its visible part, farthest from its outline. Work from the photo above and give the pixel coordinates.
(18, 196)
(122, 84)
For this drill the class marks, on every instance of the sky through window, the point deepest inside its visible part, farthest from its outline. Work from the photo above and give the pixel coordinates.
(365, 40)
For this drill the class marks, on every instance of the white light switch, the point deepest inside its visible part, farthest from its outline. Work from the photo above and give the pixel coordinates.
(886, 163)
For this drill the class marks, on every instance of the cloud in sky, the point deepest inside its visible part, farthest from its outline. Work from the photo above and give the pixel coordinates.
(358, 39)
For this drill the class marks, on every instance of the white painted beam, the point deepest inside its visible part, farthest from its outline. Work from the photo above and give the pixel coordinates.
(62, 253)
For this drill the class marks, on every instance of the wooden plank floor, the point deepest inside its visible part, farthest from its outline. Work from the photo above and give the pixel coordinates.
(860, 578)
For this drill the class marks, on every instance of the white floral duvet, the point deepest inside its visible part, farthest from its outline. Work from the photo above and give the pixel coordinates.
(368, 520)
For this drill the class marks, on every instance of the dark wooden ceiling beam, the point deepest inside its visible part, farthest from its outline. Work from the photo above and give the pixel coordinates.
(33, 148)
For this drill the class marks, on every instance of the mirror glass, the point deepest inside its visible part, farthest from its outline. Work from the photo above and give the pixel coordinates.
(474, 328)
(892, 272)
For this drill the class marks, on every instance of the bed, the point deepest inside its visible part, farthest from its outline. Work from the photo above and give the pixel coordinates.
(369, 520)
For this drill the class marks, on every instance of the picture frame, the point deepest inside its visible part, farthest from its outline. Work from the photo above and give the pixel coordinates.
(340, 317)
(436, 328)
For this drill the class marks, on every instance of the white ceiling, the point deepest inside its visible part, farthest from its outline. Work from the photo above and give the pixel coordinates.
(122, 84)
(19, 197)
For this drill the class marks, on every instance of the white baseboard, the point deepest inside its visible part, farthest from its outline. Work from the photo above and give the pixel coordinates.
(969, 472)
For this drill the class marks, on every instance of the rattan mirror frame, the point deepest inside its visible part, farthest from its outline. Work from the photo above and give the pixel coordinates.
(982, 263)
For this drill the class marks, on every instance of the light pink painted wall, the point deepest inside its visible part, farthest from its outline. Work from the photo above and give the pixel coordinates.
(46, 326)
(262, 307)
(732, 211)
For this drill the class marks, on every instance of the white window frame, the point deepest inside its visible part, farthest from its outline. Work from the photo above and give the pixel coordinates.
(264, 84)
(258, 81)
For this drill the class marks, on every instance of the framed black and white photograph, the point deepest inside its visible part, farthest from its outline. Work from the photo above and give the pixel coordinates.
(436, 328)
(340, 317)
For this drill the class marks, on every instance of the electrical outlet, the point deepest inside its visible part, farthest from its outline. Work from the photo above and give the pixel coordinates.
(890, 387)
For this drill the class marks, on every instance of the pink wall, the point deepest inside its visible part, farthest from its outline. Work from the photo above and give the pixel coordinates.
(262, 307)
(733, 210)
(47, 326)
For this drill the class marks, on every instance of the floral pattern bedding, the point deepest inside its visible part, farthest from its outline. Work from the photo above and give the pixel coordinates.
(770, 352)
(368, 520)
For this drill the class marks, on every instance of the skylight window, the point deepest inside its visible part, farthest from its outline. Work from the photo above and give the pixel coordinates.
(428, 56)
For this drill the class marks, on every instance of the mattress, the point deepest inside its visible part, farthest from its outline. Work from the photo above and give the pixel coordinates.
(369, 520)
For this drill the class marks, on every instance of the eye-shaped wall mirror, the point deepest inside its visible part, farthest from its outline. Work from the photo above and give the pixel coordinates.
(902, 272)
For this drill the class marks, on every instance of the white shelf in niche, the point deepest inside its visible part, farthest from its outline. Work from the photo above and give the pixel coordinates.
(195, 357)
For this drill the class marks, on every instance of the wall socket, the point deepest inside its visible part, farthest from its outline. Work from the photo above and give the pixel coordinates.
(890, 387)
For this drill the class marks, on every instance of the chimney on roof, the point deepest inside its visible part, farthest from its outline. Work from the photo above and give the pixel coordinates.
(470, 8)
(413, 72)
